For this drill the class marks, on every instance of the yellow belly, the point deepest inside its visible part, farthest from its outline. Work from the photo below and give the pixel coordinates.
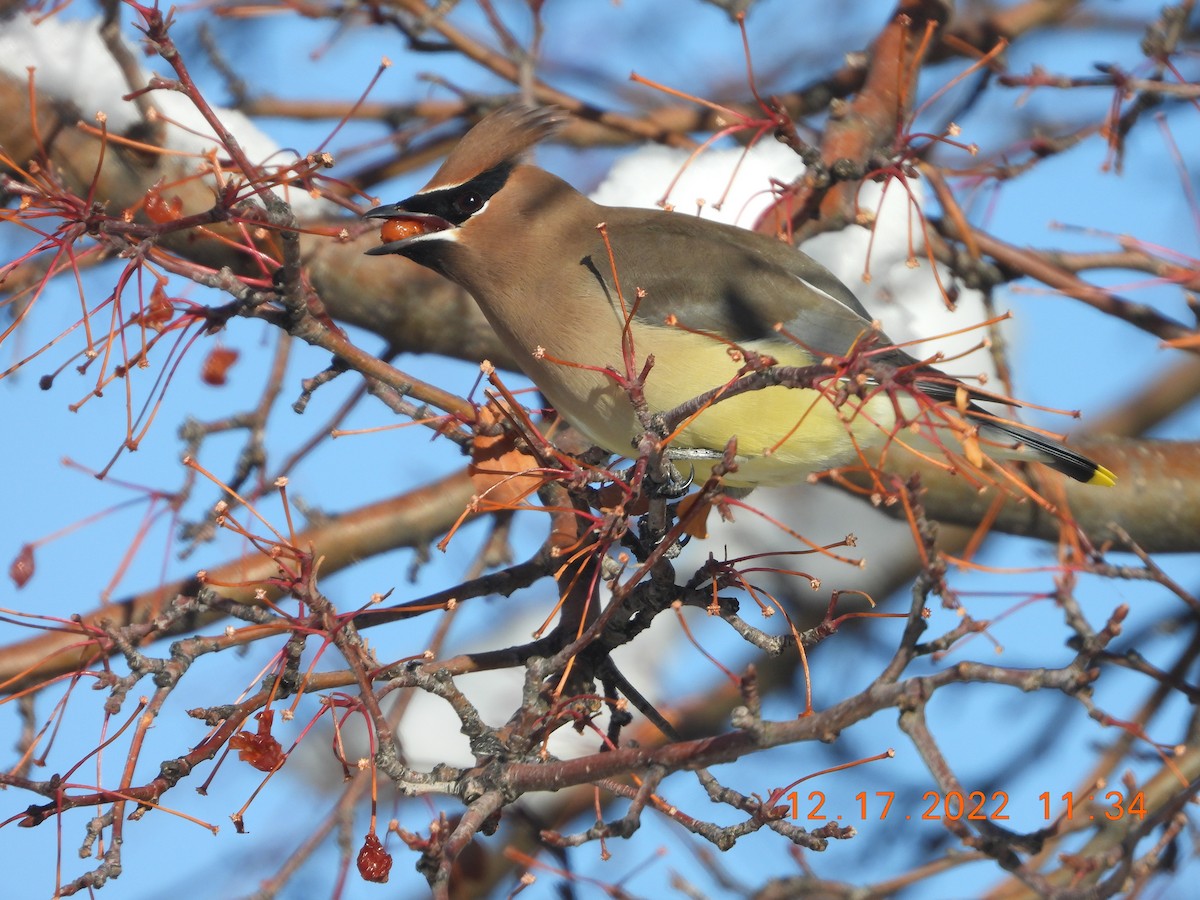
(783, 434)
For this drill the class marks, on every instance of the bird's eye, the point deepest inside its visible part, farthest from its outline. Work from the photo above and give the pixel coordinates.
(468, 203)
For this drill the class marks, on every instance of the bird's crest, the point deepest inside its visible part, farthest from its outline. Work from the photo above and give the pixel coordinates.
(500, 137)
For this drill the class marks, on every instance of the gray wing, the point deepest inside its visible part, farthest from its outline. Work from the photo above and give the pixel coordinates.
(739, 284)
(730, 281)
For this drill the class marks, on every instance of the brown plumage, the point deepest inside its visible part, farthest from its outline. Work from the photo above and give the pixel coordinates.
(527, 247)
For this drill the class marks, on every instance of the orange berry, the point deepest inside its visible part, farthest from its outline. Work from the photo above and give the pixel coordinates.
(401, 229)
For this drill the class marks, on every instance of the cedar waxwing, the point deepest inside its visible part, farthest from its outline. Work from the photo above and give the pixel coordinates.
(691, 293)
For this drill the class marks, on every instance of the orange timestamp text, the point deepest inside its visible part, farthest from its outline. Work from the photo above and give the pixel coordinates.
(973, 806)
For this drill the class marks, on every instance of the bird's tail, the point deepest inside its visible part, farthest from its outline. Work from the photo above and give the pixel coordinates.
(999, 436)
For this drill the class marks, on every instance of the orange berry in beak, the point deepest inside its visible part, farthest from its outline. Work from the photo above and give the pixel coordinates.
(401, 229)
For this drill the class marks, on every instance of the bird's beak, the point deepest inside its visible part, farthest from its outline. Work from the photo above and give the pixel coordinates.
(403, 227)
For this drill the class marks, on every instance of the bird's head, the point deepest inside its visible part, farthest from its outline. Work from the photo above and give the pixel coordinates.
(480, 187)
